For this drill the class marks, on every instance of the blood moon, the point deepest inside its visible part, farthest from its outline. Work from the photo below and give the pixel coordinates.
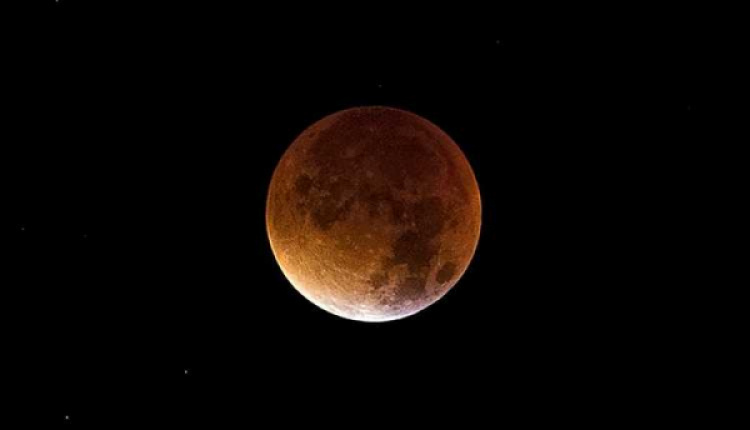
(373, 213)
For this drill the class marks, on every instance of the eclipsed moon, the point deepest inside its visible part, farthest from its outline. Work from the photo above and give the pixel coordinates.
(373, 213)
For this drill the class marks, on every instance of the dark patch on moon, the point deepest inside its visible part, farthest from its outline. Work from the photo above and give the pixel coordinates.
(326, 200)
(384, 203)
(429, 217)
(330, 212)
(303, 184)
(415, 248)
(412, 249)
(446, 272)
(378, 279)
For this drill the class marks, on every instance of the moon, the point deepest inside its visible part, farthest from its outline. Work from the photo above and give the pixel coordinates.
(373, 213)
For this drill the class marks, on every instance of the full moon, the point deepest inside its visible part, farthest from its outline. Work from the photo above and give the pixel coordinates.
(373, 213)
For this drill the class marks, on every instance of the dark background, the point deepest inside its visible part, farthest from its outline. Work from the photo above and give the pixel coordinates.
(139, 141)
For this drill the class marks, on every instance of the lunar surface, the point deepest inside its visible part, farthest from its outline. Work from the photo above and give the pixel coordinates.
(373, 213)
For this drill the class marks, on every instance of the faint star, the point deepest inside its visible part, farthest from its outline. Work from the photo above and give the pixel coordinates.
(23, 228)
(380, 85)
(689, 107)
(186, 371)
(85, 235)
(497, 42)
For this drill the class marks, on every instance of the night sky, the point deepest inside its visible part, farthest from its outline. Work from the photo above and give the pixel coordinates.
(138, 146)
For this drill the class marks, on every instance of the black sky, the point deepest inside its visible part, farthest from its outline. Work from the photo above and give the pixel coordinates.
(139, 142)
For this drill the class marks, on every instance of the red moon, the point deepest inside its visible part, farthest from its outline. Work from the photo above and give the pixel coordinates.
(373, 213)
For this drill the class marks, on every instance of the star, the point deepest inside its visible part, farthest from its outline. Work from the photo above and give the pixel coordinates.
(186, 371)
(23, 228)
(67, 417)
(380, 85)
(85, 235)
